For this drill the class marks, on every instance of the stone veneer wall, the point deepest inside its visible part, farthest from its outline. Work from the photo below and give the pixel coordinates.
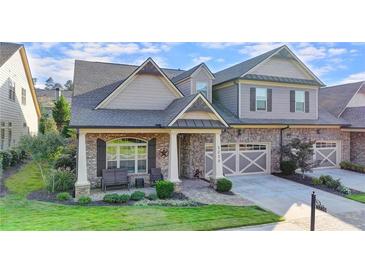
(358, 147)
(162, 143)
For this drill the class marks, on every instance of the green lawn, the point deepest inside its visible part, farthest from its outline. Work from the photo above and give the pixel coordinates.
(357, 197)
(18, 213)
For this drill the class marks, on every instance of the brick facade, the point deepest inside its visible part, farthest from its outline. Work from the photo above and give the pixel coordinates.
(357, 142)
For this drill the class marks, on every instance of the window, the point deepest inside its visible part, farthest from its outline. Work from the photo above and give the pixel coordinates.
(12, 91)
(261, 98)
(299, 101)
(24, 96)
(2, 135)
(202, 87)
(127, 153)
(10, 134)
(245, 147)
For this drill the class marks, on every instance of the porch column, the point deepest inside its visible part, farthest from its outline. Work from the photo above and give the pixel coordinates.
(82, 185)
(217, 158)
(173, 171)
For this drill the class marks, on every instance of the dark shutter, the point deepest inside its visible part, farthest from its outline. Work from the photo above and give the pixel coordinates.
(307, 101)
(292, 101)
(151, 154)
(269, 99)
(100, 156)
(252, 99)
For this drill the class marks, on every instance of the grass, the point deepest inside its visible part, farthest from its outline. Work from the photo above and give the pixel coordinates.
(357, 197)
(18, 213)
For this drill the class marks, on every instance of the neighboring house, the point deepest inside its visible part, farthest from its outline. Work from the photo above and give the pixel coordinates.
(348, 102)
(196, 123)
(47, 98)
(19, 110)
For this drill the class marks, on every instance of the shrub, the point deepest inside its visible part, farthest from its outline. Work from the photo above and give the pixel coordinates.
(65, 161)
(111, 198)
(224, 185)
(164, 189)
(137, 195)
(60, 180)
(5, 157)
(288, 167)
(316, 181)
(176, 203)
(84, 200)
(329, 181)
(152, 196)
(63, 196)
(124, 198)
(352, 166)
(344, 190)
(15, 159)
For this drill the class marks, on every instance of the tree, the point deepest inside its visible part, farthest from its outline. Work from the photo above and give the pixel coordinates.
(47, 125)
(42, 148)
(61, 113)
(57, 85)
(69, 85)
(49, 83)
(301, 153)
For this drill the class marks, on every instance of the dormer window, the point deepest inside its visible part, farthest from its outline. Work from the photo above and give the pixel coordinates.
(202, 87)
(261, 99)
(299, 101)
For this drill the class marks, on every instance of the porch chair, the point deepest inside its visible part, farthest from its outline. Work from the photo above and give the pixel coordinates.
(155, 175)
(121, 177)
(107, 179)
(114, 177)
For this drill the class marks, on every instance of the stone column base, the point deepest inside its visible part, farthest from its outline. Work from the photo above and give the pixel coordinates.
(177, 187)
(82, 190)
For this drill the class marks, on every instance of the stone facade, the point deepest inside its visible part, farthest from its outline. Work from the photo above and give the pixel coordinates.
(357, 142)
(162, 146)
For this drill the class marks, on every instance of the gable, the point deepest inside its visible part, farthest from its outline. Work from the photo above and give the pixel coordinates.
(358, 100)
(145, 91)
(282, 67)
(202, 74)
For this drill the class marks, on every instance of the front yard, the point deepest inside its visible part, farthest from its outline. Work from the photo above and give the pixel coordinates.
(19, 213)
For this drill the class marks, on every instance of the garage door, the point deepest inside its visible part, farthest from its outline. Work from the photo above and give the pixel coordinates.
(240, 158)
(326, 153)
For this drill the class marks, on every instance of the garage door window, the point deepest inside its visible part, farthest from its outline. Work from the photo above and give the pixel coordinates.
(244, 147)
(229, 147)
(325, 144)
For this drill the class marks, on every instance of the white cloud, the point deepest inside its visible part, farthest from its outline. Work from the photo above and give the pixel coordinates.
(220, 45)
(259, 48)
(356, 77)
(336, 51)
(219, 60)
(311, 53)
(201, 59)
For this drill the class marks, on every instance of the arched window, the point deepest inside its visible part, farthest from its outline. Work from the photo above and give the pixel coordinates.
(129, 153)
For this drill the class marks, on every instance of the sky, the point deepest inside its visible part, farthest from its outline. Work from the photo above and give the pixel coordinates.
(333, 63)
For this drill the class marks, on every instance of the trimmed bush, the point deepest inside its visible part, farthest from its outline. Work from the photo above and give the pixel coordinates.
(15, 157)
(5, 157)
(329, 181)
(84, 200)
(111, 198)
(63, 196)
(344, 190)
(60, 180)
(164, 189)
(152, 196)
(316, 181)
(124, 198)
(137, 196)
(65, 161)
(352, 166)
(288, 167)
(224, 185)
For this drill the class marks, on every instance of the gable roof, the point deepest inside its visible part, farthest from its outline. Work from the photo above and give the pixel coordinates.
(241, 69)
(356, 116)
(335, 99)
(7, 50)
(191, 71)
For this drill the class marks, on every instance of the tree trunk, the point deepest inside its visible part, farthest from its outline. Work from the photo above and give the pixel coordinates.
(41, 170)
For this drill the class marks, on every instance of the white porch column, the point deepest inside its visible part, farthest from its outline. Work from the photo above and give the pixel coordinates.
(217, 157)
(173, 171)
(82, 185)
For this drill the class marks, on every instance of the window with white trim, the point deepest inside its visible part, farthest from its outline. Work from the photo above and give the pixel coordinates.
(299, 101)
(2, 135)
(202, 87)
(12, 91)
(261, 98)
(129, 153)
(10, 133)
(24, 96)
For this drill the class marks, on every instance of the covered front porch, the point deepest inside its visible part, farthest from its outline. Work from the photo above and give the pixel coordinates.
(139, 150)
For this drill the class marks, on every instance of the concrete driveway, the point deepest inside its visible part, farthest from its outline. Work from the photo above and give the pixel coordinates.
(292, 200)
(350, 179)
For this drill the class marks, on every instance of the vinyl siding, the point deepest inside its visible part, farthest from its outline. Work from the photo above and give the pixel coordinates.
(15, 112)
(280, 104)
(202, 76)
(282, 67)
(185, 87)
(228, 98)
(357, 101)
(144, 92)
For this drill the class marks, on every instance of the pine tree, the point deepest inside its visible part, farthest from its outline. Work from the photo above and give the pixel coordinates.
(49, 83)
(61, 113)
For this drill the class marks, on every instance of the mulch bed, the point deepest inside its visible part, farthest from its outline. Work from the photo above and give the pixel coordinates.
(307, 180)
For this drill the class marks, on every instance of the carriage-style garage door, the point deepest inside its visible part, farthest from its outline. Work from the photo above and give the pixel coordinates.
(327, 153)
(240, 158)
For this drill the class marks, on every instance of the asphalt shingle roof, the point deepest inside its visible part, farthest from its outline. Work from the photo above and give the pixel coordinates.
(280, 79)
(7, 50)
(355, 115)
(335, 99)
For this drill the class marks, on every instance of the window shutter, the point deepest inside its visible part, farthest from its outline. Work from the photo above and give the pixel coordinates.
(269, 99)
(292, 101)
(307, 101)
(252, 99)
(100, 156)
(151, 154)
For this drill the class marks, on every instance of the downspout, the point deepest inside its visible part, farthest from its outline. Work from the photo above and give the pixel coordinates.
(281, 142)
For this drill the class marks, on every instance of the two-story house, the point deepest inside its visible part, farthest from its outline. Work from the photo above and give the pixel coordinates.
(198, 123)
(19, 110)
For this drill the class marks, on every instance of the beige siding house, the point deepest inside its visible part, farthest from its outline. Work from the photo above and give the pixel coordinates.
(19, 110)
